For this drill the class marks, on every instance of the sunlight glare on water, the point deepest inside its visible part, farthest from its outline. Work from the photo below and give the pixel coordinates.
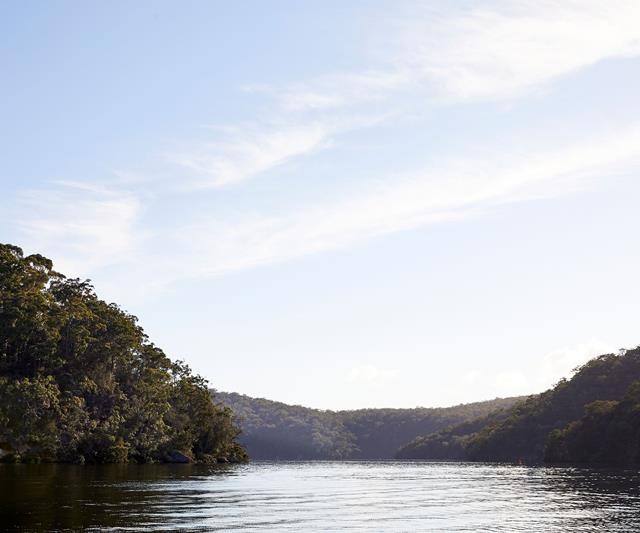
(320, 496)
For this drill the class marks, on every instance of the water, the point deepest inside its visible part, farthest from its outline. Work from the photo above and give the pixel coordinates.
(319, 496)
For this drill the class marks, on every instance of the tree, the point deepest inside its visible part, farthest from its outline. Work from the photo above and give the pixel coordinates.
(80, 381)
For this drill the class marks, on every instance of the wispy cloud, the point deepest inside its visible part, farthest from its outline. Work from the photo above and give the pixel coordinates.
(560, 363)
(341, 89)
(493, 50)
(87, 227)
(83, 226)
(452, 190)
(502, 49)
(249, 151)
(92, 227)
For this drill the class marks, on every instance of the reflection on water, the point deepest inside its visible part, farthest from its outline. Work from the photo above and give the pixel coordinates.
(319, 496)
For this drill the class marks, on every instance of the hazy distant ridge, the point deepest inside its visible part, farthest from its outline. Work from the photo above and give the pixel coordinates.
(275, 430)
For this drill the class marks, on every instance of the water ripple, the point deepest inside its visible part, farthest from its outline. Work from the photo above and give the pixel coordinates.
(320, 496)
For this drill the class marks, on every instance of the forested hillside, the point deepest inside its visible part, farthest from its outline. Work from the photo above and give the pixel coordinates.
(593, 418)
(274, 430)
(608, 433)
(449, 444)
(380, 432)
(81, 382)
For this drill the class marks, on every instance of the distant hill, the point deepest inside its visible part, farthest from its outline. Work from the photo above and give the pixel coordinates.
(275, 430)
(592, 418)
(380, 432)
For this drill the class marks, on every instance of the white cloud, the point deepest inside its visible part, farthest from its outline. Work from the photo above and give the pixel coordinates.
(451, 190)
(545, 373)
(495, 49)
(251, 151)
(81, 226)
(342, 89)
(88, 227)
(492, 50)
(560, 363)
(502, 49)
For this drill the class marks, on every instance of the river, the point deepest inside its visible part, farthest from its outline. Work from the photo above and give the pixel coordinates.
(319, 496)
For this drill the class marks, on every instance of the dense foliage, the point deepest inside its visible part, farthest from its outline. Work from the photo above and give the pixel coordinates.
(380, 432)
(274, 430)
(593, 417)
(609, 433)
(449, 444)
(80, 381)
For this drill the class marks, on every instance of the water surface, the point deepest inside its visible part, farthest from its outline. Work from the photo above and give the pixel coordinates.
(319, 496)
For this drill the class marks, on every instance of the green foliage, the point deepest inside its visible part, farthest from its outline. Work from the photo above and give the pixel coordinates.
(608, 433)
(591, 418)
(274, 430)
(80, 381)
(29, 412)
(450, 443)
(523, 435)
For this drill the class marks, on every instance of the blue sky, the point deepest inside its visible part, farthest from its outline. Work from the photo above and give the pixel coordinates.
(337, 204)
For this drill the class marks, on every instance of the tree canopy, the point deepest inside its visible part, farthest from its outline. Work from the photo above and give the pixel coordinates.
(594, 417)
(80, 381)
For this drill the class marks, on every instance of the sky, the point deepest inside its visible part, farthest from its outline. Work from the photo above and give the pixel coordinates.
(337, 204)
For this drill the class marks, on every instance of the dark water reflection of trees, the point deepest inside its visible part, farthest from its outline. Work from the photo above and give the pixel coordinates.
(57, 496)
